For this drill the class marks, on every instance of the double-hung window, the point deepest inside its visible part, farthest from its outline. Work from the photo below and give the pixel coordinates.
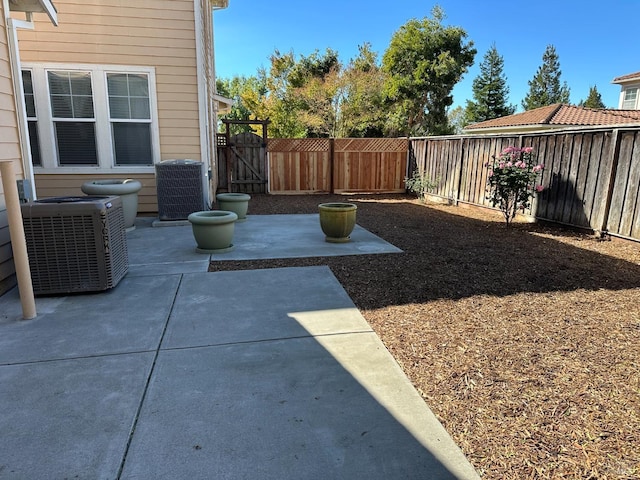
(73, 117)
(130, 117)
(32, 118)
(97, 117)
(630, 98)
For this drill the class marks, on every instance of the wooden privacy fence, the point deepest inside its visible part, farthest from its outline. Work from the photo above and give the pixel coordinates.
(324, 165)
(591, 177)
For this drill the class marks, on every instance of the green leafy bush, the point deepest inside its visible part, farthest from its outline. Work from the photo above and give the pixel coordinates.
(420, 184)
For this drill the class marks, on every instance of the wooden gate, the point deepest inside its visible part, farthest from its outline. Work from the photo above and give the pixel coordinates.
(242, 159)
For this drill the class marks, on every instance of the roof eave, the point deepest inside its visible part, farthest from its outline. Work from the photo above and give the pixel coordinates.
(511, 128)
(35, 6)
(219, 4)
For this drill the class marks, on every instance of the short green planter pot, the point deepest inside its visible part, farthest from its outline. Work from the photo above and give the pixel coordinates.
(126, 189)
(337, 221)
(213, 230)
(234, 202)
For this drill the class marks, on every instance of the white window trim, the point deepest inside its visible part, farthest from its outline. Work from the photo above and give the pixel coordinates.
(104, 144)
(623, 94)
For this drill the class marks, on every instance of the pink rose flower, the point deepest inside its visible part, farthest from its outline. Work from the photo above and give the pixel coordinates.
(539, 188)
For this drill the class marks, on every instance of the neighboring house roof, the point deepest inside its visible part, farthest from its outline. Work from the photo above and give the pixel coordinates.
(557, 116)
(631, 77)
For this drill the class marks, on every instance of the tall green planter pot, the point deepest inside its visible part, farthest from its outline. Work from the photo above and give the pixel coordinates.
(337, 221)
(126, 189)
(213, 230)
(234, 202)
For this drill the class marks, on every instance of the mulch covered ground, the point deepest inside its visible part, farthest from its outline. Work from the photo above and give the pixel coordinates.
(524, 341)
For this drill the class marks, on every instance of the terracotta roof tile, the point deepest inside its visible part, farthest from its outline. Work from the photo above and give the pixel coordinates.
(530, 117)
(562, 115)
(626, 78)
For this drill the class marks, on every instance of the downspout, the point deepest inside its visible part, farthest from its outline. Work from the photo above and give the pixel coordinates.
(203, 117)
(21, 110)
(9, 186)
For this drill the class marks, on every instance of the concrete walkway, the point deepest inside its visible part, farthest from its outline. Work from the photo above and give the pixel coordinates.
(182, 374)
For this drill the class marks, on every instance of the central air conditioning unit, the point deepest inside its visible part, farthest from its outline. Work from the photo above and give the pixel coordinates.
(180, 188)
(75, 244)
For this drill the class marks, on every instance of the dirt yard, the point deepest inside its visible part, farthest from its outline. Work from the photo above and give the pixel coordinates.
(523, 340)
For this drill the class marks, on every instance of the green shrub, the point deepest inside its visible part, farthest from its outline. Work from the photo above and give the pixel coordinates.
(420, 184)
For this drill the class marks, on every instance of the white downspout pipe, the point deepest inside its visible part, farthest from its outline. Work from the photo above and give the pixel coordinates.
(16, 69)
(9, 186)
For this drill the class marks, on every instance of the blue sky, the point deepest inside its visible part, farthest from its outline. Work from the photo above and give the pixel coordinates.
(595, 40)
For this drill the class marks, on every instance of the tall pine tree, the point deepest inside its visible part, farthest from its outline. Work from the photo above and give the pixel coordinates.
(594, 100)
(490, 90)
(545, 88)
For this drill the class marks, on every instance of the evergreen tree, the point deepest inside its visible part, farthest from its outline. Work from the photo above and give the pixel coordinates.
(545, 88)
(594, 100)
(490, 90)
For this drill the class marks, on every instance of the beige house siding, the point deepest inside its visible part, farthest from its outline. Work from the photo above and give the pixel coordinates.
(153, 33)
(55, 185)
(9, 150)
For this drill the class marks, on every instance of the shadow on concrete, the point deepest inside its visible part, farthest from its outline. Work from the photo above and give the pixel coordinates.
(266, 374)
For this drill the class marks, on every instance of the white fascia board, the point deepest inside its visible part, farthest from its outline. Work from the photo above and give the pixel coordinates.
(35, 6)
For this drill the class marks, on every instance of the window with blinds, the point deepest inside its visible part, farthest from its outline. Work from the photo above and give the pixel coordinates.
(102, 118)
(130, 117)
(32, 118)
(71, 97)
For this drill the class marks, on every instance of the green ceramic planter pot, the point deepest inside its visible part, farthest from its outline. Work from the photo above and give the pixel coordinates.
(337, 221)
(213, 230)
(234, 202)
(126, 189)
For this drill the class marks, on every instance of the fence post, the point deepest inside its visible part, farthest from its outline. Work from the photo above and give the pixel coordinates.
(457, 199)
(331, 165)
(615, 154)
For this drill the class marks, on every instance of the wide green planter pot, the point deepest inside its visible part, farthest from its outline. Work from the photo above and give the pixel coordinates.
(213, 230)
(126, 189)
(234, 202)
(337, 221)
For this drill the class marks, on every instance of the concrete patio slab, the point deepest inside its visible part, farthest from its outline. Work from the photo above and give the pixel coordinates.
(129, 318)
(177, 373)
(163, 250)
(288, 409)
(171, 249)
(69, 418)
(233, 307)
(295, 236)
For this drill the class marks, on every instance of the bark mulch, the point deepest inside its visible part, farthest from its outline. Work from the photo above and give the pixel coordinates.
(523, 340)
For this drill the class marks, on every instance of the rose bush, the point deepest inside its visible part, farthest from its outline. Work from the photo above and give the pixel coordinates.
(512, 181)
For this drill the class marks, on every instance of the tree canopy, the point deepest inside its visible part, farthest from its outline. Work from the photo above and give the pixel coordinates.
(424, 61)
(545, 87)
(594, 100)
(490, 91)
